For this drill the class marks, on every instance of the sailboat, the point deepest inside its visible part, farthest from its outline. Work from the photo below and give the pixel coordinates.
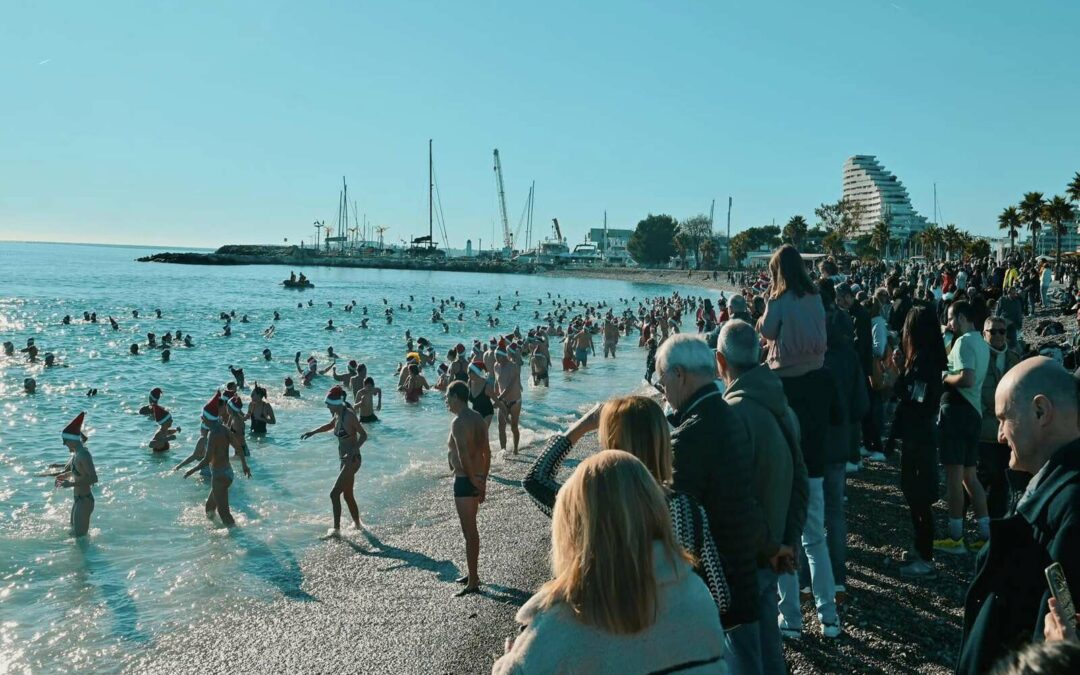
(425, 246)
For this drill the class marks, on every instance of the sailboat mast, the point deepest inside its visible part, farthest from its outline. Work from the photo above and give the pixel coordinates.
(431, 188)
(603, 251)
(343, 228)
(528, 231)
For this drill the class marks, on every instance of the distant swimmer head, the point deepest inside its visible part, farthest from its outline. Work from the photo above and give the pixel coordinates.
(30, 385)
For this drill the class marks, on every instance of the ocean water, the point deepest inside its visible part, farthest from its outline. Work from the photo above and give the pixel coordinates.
(153, 563)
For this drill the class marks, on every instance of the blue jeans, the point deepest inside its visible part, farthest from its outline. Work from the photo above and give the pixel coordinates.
(772, 651)
(743, 649)
(836, 520)
(817, 554)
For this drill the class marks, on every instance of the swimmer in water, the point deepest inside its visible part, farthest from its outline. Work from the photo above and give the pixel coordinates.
(508, 387)
(312, 371)
(152, 400)
(329, 325)
(290, 389)
(351, 436)
(267, 356)
(235, 420)
(165, 432)
(415, 384)
(30, 386)
(218, 440)
(482, 392)
(238, 375)
(365, 398)
(78, 474)
(260, 412)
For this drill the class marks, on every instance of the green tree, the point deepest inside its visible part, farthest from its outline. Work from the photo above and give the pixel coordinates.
(1031, 210)
(978, 248)
(931, 239)
(709, 249)
(1074, 188)
(880, 237)
(1009, 219)
(952, 239)
(693, 231)
(653, 240)
(1057, 212)
(752, 239)
(795, 231)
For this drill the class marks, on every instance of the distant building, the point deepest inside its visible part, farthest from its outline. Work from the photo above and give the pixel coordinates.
(1070, 240)
(615, 238)
(880, 193)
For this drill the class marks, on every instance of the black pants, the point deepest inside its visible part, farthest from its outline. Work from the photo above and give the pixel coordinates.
(919, 483)
(992, 471)
(872, 421)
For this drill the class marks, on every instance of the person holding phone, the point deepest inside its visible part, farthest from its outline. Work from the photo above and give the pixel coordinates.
(1036, 404)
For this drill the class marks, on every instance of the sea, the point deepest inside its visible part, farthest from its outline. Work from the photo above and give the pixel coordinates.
(153, 563)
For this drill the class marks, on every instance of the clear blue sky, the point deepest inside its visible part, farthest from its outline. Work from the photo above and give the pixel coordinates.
(202, 123)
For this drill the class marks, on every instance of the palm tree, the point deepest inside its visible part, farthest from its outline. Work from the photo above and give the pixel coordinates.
(952, 239)
(1031, 208)
(1074, 188)
(1009, 219)
(795, 231)
(930, 238)
(1057, 212)
(880, 236)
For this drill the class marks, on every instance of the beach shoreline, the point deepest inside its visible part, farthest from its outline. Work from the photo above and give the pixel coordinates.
(383, 601)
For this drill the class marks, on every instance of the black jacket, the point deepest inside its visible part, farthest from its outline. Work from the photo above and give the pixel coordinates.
(714, 463)
(1006, 602)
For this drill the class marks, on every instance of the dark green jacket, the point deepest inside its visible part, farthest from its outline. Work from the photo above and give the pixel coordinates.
(1006, 601)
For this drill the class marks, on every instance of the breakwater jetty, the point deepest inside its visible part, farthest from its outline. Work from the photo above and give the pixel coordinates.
(237, 254)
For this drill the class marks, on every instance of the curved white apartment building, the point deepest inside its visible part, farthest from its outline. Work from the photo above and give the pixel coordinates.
(879, 191)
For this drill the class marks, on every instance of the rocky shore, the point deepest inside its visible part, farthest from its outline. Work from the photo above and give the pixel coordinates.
(295, 256)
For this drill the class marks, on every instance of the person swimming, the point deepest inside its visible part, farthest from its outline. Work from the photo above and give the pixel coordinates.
(290, 389)
(165, 432)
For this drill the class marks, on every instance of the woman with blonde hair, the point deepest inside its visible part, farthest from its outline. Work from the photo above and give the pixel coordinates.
(623, 596)
(636, 424)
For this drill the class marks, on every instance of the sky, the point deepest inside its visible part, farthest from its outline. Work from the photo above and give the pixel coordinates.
(193, 123)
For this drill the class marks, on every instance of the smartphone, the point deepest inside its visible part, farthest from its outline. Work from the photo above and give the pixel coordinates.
(1055, 577)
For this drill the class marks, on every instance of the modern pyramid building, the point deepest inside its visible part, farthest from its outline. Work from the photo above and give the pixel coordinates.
(880, 193)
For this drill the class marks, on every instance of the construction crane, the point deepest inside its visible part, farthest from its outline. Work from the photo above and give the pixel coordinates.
(558, 232)
(508, 238)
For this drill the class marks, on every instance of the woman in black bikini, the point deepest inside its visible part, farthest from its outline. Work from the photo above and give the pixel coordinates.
(259, 411)
(482, 391)
(350, 437)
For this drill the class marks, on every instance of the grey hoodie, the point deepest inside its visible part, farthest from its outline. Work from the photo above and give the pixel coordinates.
(781, 486)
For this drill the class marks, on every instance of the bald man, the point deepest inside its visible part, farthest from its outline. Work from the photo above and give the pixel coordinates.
(1036, 408)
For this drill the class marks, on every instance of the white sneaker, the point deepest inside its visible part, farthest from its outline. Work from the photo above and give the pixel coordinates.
(831, 630)
(853, 467)
(787, 630)
(875, 457)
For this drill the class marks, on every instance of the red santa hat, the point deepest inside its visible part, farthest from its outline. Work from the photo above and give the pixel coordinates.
(336, 395)
(73, 431)
(478, 368)
(460, 348)
(155, 394)
(210, 410)
(236, 404)
(501, 349)
(161, 415)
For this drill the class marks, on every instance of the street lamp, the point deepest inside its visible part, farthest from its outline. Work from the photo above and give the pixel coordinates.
(318, 228)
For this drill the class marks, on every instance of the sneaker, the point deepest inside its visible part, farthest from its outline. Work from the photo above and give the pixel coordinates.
(953, 546)
(876, 457)
(976, 545)
(831, 630)
(787, 630)
(853, 467)
(919, 568)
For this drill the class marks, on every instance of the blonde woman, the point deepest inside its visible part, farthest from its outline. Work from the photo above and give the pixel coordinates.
(637, 425)
(624, 597)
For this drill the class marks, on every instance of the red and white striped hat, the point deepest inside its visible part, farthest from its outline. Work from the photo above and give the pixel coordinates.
(73, 431)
